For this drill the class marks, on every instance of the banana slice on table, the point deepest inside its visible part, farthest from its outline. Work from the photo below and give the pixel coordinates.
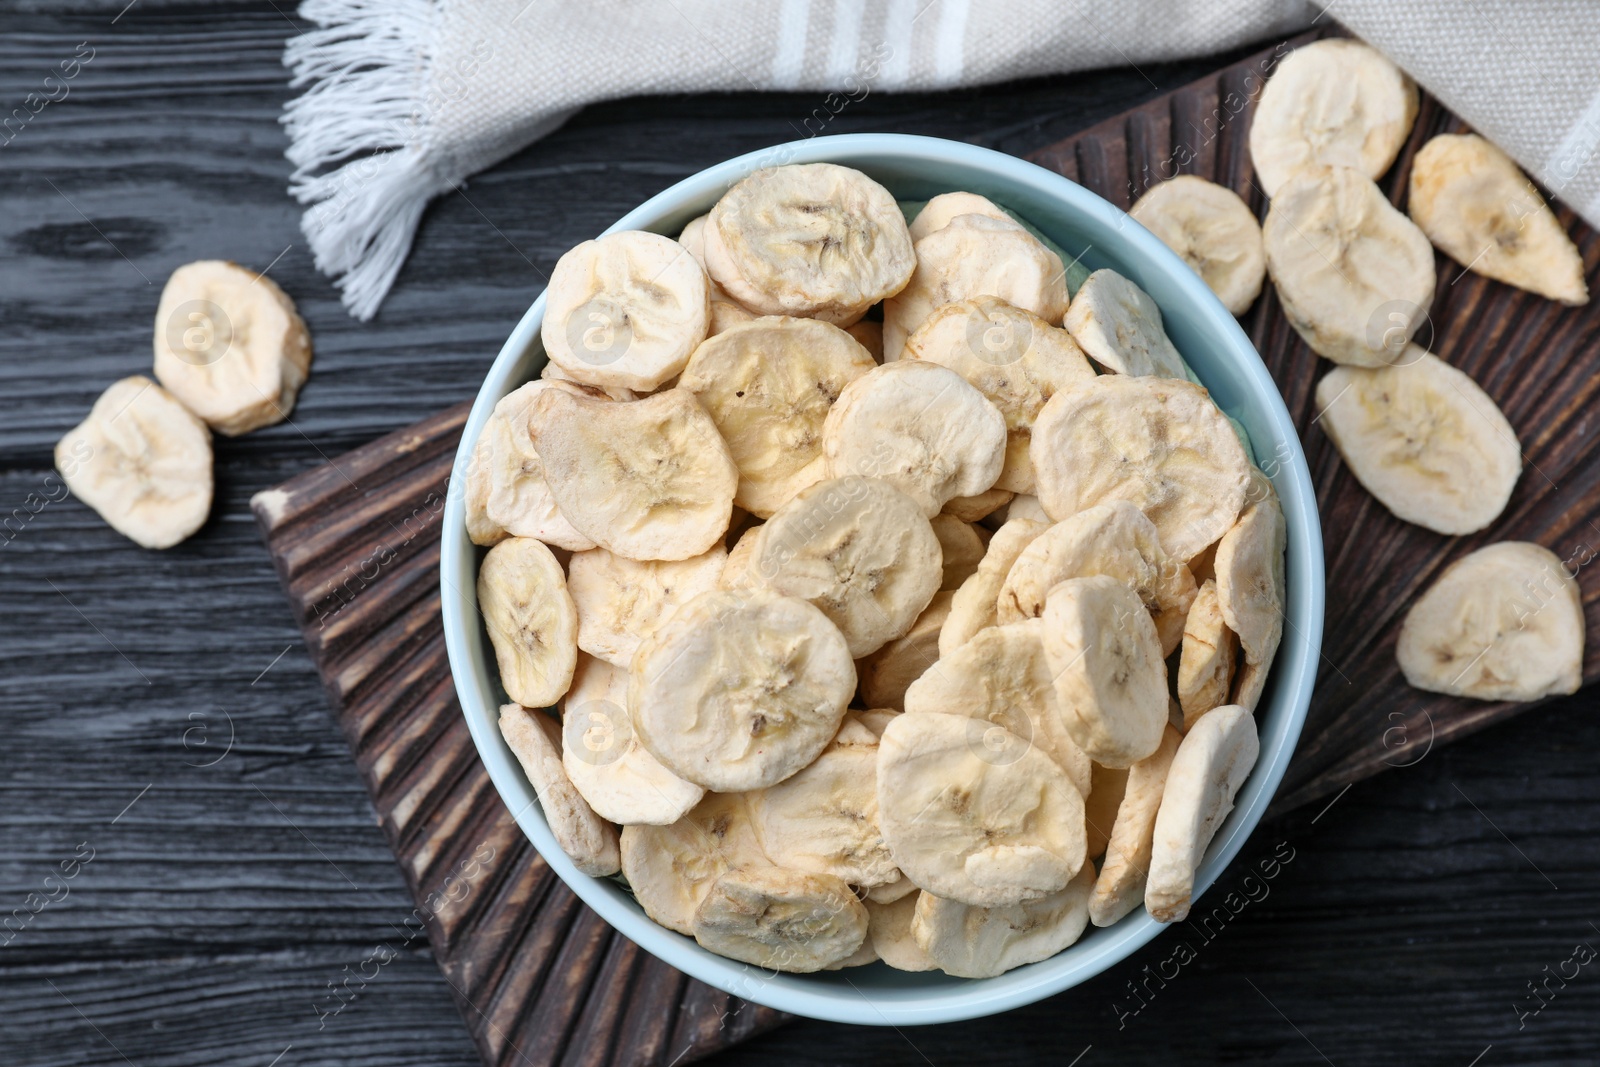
(1001, 677)
(588, 840)
(1424, 439)
(889, 930)
(1205, 669)
(531, 620)
(1484, 213)
(1119, 326)
(961, 545)
(815, 240)
(975, 813)
(1354, 275)
(142, 461)
(1503, 623)
(1102, 649)
(975, 255)
(1331, 103)
(741, 689)
(974, 508)
(1211, 764)
(1107, 787)
(621, 602)
(230, 346)
(671, 868)
(940, 211)
(780, 919)
(1120, 886)
(650, 479)
(887, 672)
(973, 608)
(1013, 357)
(1213, 230)
(974, 942)
(768, 384)
(520, 500)
(824, 819)
(626, 310)
(1158, 443)
(617, 776)
(861, 551)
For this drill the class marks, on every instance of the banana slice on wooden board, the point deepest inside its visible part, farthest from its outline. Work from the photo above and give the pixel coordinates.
(740, 689)
(1331, 103)
(626, 310)
(531, 620)
(1213, 230)
(815, 240)
(1484, 213)
(1503, 623)
(621, 602)
(1158, 443)
(1119, 326)
(781, 919)
(920, 427)
(975, 813)
(230, 346)
(1205, 668)
(1211, 764)
(1120, 886)
(619, 777)
(940, 211)
(1013, 357)
(650, 479)
(142, 461)
(889, 930)
(861, 551)
(973, 608)
(1354, 275)
(520, 500)
(671, 868)
(588, 840)
(1424, 439)
(887, 673)
(768, 385)
(972, 942)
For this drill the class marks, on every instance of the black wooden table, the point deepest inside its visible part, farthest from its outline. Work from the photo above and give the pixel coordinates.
(188, 864)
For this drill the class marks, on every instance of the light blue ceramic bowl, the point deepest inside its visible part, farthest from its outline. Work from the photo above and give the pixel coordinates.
(915, 168)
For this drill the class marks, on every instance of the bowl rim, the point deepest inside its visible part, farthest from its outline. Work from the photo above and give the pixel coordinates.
(1294, 669)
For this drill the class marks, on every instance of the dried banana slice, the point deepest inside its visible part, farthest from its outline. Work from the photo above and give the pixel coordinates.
(973, 508)
(961, 546)
(621, 602)
(973, 607)
(887, 672)
(889, 930)
(230, 346)
(1503, 623)
(1212, 230)
(1424, 439)
(781, 919)
(739, 690)
(588, 840)
(1102, 650)
(693, 238)
(824, 819)
(939, 212)
(1107, 786)
(1114, 539)
(142, 461)
(625, 310)
(1001, 677)
(868, 335)
(768, 385)
(919, 427)
(1250, 578)
(671, 868)
(1211, 764)
(531, 620)
(476, 485)
(975, 255)
(1013, 357)
(520, 500)
(736, 571)
(1120, 887)
(552, 372)
(617, 776)
(1205, 669)
(1119, 326)
(1158, 443)
(975, 813)
(1027, 506)
(860, 550)
(816, 240)
(651, 479)
(1354, 275)
(972, 942)
(1484, 213)
(1331, 103)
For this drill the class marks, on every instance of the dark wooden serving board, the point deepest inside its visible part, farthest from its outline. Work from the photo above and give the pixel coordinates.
(539, 978)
